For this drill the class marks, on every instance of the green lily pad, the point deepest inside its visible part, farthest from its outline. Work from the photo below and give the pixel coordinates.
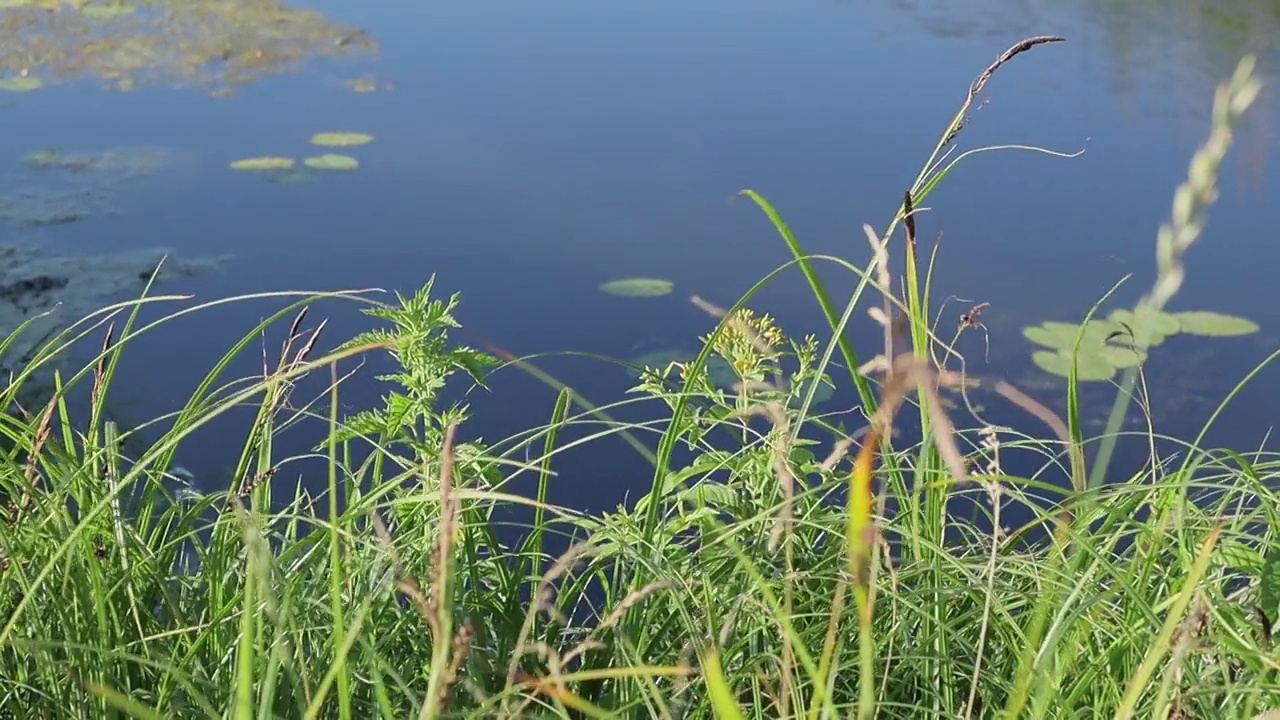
(108, 11)
(267, 162)
(1062, 335)
(638, 287)
(1122, 357)
(21, 83)
(1215, 324)
(331, 161)
(1040, 335)
(1089, 367)
(1163, 324)
(341, 139)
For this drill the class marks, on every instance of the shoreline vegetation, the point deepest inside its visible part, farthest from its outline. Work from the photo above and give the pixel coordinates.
(766, 575)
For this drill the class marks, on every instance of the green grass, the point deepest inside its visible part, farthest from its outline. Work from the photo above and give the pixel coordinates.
(771, 574)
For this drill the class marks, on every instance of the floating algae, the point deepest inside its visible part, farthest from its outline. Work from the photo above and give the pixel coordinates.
(120, 164)
(207, 43)
(64, 187)
(53, 292)
(38, 207)
(61, 187)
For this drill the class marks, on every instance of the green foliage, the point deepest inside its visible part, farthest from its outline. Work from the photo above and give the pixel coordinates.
(418, 342)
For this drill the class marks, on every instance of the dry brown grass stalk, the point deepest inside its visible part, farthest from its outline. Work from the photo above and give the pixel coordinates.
(31, 472)
(449, 511)
(100, 373)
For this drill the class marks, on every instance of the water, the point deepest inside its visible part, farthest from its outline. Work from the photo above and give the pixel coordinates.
(527, 152)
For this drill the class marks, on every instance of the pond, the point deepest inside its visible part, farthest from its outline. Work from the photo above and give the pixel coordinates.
(528, 152)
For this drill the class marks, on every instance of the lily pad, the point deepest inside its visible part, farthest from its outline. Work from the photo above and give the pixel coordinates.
(1215, 324)
(21, 83)
(1089, 367)
(108, 11)
(1163, 324)
(1062, 335)
(330, 161)
(341, 139)
(1121, 356)
(638, 287)
(268, 162)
